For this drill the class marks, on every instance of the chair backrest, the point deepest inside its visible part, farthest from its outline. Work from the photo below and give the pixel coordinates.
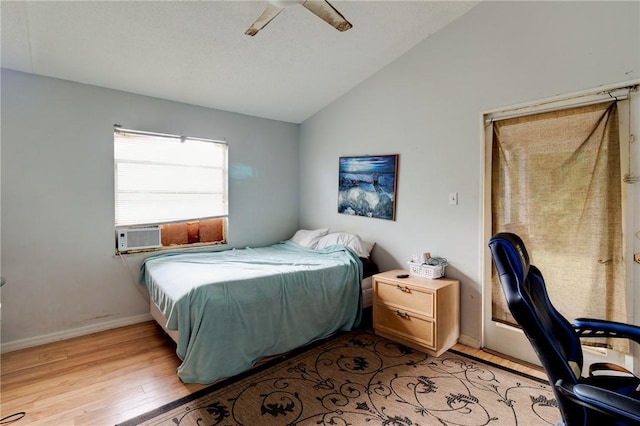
(551, 335)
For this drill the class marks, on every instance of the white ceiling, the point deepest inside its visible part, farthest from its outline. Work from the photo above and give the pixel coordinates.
(196, 51)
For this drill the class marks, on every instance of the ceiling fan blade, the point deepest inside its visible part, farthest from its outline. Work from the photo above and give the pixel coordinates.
(265, 17)
(328, 13)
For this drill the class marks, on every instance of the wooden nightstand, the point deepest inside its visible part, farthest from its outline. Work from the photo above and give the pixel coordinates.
(421, 313)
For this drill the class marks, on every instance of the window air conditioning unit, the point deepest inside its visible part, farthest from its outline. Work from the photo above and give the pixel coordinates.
(138, 238)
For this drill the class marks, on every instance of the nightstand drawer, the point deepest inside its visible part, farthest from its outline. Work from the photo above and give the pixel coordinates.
(404, 296)
(404, 325)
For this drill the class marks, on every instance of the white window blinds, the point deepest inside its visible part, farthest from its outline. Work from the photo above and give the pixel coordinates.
(165, 178)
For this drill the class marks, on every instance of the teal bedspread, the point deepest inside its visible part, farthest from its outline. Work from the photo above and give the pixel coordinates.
(233, 307)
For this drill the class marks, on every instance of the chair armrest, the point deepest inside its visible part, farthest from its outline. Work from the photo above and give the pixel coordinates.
(607, 368)
(587, 327)
(602, 400)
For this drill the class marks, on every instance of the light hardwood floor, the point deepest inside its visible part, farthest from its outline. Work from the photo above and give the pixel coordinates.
(108, 377)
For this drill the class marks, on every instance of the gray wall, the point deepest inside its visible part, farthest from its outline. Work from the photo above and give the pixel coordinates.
(57, 199)
(426, 106)
(57, 168)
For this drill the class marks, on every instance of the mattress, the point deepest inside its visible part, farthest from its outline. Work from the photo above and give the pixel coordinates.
(367, 292)
(369, 268)
(367, 302)
(234, 307)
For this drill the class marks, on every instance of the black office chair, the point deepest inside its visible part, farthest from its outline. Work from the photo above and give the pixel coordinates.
(599, 399)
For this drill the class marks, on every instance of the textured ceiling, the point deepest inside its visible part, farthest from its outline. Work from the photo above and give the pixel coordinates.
(196, 51)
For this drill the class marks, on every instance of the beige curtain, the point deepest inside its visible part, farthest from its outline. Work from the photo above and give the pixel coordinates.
(556, 182)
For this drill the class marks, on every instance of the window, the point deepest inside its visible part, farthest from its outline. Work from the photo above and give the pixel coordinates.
(177, 183)
(557, 182)
(557, 173)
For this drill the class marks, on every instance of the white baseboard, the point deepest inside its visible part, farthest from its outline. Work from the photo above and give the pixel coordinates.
(469, 341)
(76, 332)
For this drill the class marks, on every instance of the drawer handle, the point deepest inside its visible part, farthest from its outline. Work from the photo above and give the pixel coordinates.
(402, 314)
(404, 289)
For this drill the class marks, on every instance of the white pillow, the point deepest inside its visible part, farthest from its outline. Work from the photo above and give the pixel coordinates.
(309, 238)
(366, 246)
(352, 241)
(341, 238)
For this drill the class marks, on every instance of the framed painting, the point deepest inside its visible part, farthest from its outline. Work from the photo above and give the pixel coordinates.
(367, 186)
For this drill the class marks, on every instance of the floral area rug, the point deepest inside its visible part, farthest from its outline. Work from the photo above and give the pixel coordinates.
(359, 378)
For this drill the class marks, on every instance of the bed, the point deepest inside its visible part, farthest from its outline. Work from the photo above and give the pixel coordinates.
(228, 309)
